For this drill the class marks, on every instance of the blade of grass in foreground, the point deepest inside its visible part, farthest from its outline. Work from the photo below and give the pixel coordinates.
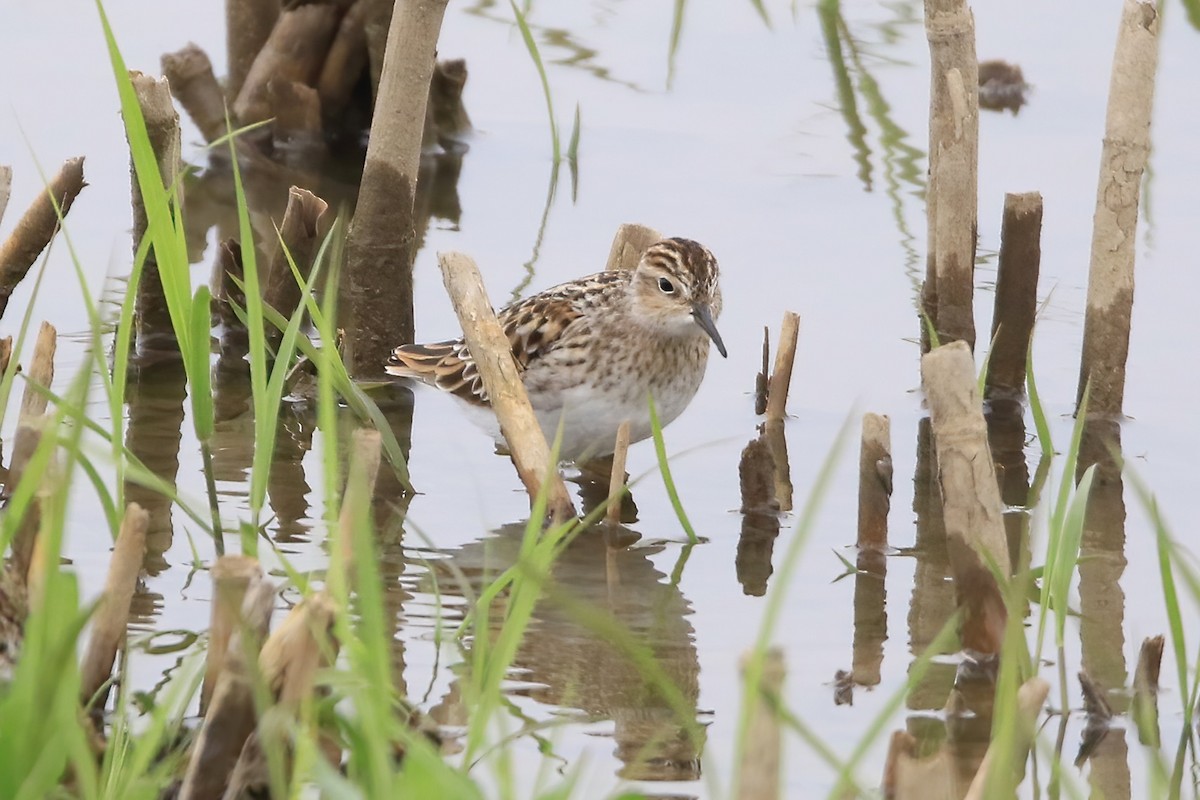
(1037, 409)
(190, 317)
(532, 47)
(265, 411)
(660, 450)
(1061, 553)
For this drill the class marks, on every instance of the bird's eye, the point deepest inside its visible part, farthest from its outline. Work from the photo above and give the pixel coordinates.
(666, 286)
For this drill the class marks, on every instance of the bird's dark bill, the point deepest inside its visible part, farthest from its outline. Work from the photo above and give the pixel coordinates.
(703, 317)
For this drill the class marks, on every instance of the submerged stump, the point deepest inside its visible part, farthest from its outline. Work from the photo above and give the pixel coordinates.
(972, 511)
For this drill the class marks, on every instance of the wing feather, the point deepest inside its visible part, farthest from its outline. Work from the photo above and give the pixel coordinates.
(534, 326)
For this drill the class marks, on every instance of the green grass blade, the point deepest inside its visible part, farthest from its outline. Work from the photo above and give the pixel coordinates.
(1067, 558)
(660, 450)
(1036, 408)
(532, 47)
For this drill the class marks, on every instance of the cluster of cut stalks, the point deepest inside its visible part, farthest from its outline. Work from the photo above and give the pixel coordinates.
(990, 589)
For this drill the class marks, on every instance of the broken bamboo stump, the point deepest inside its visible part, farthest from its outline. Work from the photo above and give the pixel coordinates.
(301, 645)
(227, 286)
(32, 421)
(778, 385)
(629, 242)
(36, 228)
(1114, 227)
(365, 453)
(1030, 698)
(781, 376)
(762, 378)
(874, 482)
(248, 25)
(154, 330)
(1144, 708)
(298, 132)
(231, 715)
(111, 619)
(232, 576)
(492, 353)
(952, 194)
(40, 374)
(294, 51)
(190, 74)
(344, 63)
(304, 225)
(616, 482)
(447, 114)
(25, 443)
(381, 245)
(972, 511)
(1016, 294)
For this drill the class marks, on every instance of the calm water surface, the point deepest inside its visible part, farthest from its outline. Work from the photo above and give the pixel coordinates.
(810, 196)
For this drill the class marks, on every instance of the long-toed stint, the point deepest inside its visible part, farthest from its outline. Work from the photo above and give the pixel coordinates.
(591, 351)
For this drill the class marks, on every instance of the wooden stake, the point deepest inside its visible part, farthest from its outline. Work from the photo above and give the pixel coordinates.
(190, 73)
(781, 377)
(111, 620)
(248, 25)
(154, 329)
(492, 353)
(227, 294)
(758, 776)
(1016, 293)
(304, 225)
(162, 126)
(296, 649)
(231, 716)
(380, 247)
(972, 510)
(762, 378)
(956, 185)
(1114, 228)
(1145, 691)
(232, 576)
(290, 659)
(951, 197)
(446, 113)
(616, 483)
(37, 227)
(24, 541)
(874, 481)
(294, 51)
(40, 374)
(298, 132)
(630, 241)
(356, 500)
(345, 62)
(1030, 698)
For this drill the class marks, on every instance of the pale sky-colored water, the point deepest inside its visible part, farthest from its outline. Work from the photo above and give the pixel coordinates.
(747, 152)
